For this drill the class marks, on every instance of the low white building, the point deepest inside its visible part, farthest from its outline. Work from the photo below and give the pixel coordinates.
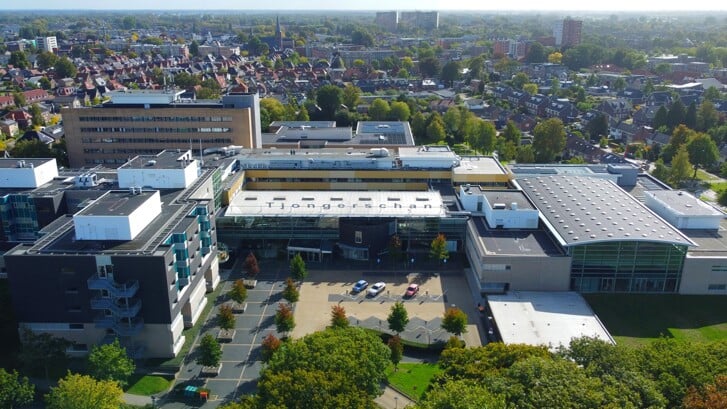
(507, 209)
(682, 210)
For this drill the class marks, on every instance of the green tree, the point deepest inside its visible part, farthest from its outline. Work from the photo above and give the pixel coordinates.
(399, 111)
(461, 394)
(429, 67)
(298, 269)
(676, 115)
(238, 292)
(548, 140)
(435, 130)
(110, 363)
(536, 53)
(660, 117)
(418, 125)
(379, 110)
(209, 351)
(76, 391)
(42, 351)
(483, 139)
(454, 321)
(186, 80)
(438, 248)
(707, 116)
(530, 88)
(451, 72)
(680, 167)
(14, 390)
(519, 80)
(702, 152)
(351, 96)
(65, 68)
(18, 59)
(690, 117)
(402, 73)
(512, 133)
(362, 37)
(284, 320)
(269, 345)
(335, 368)
(45, 83)
(597, 127)
(225, 317)
(37, 115)
(712, 94)
(661, 171)
(46, 60)
(19, 99)
(398, 317)
(31, 149)
(329, 98)
(525, 154)
(338, 317)
(397, 350)
(291, 293)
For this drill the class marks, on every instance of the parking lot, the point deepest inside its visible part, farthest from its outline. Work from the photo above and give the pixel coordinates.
(325, 288)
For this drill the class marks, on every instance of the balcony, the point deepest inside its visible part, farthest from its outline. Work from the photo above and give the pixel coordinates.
(128, 328)
(126, 290)
(118, 310)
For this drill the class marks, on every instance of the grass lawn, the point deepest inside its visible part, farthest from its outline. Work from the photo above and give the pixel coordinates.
(147, 385)
(412, 378)
(638, 318)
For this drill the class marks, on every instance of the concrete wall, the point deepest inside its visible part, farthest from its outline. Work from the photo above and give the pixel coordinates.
(699, 273)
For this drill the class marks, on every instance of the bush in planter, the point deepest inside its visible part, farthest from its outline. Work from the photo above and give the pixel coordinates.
(291, 292)
(225, 317)
(210, 352)
(238, 292)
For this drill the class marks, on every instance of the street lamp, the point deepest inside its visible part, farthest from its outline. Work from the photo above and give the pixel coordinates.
(153, 401)
(396, 401)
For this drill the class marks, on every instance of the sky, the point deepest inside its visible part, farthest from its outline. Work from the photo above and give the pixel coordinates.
(379, 5)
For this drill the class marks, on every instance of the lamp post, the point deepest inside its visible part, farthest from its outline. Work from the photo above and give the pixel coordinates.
(396, 402)
(153, 401)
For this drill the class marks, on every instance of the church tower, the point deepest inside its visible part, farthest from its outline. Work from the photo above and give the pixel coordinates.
(278, 34)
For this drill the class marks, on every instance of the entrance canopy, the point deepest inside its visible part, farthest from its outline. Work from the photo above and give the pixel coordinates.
(336, 204)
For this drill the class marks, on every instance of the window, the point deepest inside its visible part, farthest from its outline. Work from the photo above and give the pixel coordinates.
(359, 237)
(78, 348)
(717, 287)
(75, 326)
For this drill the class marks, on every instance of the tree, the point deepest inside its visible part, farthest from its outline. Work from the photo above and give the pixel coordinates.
(110, 363)
(14, 390)
(379, 110)
(690, 117)
(661, 171)
(712, 94)
(707, 116)
(269, 345)
(429, 67)
(238, 292)
(619, 84)
(399, 111)
(530, 88)
(251, 266)
(680, 167)
(46, 60)
(418, 125)
(483, 139)
(65, 68)
(329, 98)
(291, 293)
(297, 267)
(18, 59)
(519, 80)
(451, 72)
(37, 116)
(397, 350)
(660, 118)
(362, 37)
(338, 316)
(711, 396)
(350, 97)
(284, 321)
(525, 154)
(702, 152)
(335, 368)
(512, 133)
(31, 149)
(454, 321)
(42, 351)
(536, 53)
(435, 130)
(19, 99)
(676, 114)
(555, 57)
(461, 394)
(76, 391)
(210, 351)
(438, 248)
(398, 317)
(597, 127)
(225, 318)
(45, 83)
(548, 140)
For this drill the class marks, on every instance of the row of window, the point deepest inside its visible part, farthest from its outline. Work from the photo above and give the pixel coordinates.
(122, 151)
(155, 119)
(114, 129)
(152, 140)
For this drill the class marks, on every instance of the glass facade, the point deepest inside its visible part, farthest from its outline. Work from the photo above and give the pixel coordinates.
(627, 266)
(19, 218)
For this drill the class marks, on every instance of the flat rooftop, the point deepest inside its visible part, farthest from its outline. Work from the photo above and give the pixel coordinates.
(486, 165)
(508, 197)
(712, 243)
(8, 163)
(684, 203)
(583, 210)
(520, 242)
(167, 159)
(336, 204)
(545, 318)
(116, 203)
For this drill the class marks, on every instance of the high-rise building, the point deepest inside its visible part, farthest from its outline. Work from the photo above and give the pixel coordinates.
(567, 33)
(136, 122)
(388, 20)
(49, 44)
(425, 20)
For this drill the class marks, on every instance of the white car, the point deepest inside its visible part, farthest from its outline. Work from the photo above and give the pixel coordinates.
(376, 289)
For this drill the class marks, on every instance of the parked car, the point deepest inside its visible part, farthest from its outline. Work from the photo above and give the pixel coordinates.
(411, 290)
(359, 286)
(376, 289)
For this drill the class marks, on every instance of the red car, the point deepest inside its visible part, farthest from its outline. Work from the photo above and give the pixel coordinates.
(411, 290)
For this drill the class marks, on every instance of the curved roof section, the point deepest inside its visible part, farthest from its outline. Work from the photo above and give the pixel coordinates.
(585, 210)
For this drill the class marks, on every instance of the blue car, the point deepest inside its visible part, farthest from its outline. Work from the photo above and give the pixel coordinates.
(359, 286)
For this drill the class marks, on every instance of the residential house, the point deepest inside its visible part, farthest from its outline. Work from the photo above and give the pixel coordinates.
(536, 105)
(644, 116)
(561, 108)
(21, 117)
(659, 98)
(633, 95)
(622, 131)
(8, 127)
(36, 95)
(616, 109)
